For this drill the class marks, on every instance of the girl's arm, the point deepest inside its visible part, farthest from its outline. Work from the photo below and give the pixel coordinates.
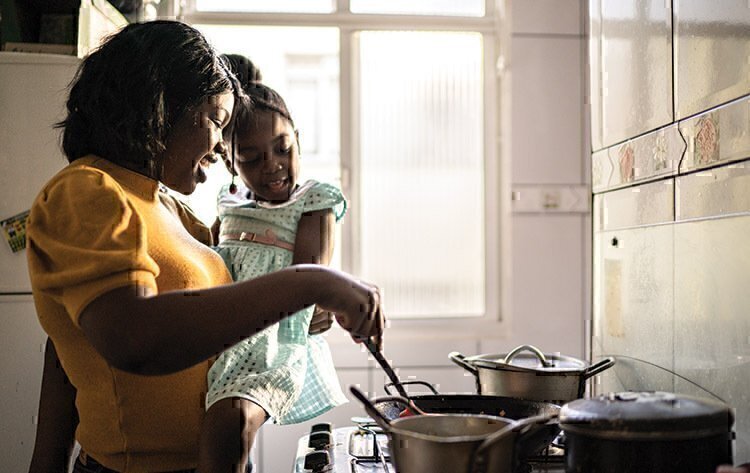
(314, 244)
(143, 333)
(57, 420)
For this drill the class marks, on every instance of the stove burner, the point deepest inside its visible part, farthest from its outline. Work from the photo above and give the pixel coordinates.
(364, 448)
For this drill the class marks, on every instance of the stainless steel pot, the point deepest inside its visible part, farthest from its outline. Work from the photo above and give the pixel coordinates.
(646, 431)
(455, 443)
(527, 373)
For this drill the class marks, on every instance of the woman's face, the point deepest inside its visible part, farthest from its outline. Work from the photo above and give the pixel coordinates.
(195, 142)
(267, 158)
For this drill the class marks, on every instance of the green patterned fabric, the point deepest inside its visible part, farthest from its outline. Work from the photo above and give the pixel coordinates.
(283, 369)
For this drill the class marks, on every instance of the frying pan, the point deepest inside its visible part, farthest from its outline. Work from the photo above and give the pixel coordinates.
(534, 438)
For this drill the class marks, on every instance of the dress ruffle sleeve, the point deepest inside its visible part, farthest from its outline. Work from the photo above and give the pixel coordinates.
(325, 196)
(84, 239)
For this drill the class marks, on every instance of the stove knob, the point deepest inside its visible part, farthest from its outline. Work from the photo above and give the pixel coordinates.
(322, 427)
(317, 461)
(320, 440)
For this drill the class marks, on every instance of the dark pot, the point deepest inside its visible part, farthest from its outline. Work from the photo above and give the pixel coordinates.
(646, 431)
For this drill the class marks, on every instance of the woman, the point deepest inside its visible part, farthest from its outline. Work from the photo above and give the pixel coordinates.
(133, 304)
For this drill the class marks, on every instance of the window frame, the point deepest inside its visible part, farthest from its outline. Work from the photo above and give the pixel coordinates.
(496, 172)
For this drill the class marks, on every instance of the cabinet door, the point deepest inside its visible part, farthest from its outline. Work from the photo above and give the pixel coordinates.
(636, 67)
(22, 348)
(711, 50)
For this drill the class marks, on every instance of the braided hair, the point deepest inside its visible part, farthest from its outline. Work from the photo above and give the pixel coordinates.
(258, 97)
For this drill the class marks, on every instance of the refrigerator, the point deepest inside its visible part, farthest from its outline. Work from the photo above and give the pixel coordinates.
(33, 89)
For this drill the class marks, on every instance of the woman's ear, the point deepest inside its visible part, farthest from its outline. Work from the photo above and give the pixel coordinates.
(299, 148)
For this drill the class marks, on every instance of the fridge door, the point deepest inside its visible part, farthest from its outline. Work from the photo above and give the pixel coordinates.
(32, 94)
(22, 340)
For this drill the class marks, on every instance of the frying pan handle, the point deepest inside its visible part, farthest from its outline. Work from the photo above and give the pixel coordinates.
(598, 367)
(404, 383)
(537, 352)
(460, 360)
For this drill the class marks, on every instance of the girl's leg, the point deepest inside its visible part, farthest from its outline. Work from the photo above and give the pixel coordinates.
(228, 434)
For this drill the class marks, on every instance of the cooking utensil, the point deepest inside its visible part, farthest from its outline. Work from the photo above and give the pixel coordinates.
(448, 442)
(646, 431)
(378, 355)
(533, 376)
(535, 439)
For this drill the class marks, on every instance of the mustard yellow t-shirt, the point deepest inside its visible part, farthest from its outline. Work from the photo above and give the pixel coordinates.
(95, 227)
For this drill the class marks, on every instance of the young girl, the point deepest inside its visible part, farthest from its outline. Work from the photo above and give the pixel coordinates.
(269, 221)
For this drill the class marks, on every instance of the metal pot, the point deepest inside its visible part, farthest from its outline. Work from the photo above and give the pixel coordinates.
(646, 431)
(533, 376)
(456, 443)
(531, 441)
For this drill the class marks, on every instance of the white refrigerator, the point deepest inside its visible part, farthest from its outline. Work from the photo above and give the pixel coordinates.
(33, 90)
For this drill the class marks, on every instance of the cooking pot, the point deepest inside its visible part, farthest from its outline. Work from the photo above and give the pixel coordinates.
(646, 431)
(456, 443)
(534, 439)
(527, 373)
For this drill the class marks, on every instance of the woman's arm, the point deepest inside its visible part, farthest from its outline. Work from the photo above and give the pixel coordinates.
(58, 418)
(148, 334)
(314, 244)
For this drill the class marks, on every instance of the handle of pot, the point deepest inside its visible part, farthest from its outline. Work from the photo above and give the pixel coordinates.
(480, 456)
(460, 360)
(404, 383)
(537, 352)
(598, 367)
(381, 420)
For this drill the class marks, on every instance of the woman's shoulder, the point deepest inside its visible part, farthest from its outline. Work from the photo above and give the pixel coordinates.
(81, 181)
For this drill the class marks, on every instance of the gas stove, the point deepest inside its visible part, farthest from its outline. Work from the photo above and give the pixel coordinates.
(364, 448)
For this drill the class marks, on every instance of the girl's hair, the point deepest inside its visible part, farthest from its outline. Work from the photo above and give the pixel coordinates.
(258, 95)
(128, 94)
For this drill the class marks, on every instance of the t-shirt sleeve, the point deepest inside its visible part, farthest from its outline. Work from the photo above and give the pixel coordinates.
(85, 238)
(323, 196)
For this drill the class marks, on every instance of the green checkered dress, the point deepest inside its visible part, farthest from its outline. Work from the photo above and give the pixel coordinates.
(282, 368)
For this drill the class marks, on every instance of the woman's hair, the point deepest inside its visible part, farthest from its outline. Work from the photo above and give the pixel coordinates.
(128, 94)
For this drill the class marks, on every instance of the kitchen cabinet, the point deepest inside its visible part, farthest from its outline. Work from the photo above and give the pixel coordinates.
(631, 68)
(711, 50)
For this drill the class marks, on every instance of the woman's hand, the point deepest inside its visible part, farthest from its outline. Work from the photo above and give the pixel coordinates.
(734, 469)
(356, 305)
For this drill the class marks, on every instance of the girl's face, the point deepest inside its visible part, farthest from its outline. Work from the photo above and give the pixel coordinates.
(195, 142)
(267, 158)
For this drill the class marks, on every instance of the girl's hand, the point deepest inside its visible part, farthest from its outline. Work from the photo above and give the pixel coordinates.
(321, 322)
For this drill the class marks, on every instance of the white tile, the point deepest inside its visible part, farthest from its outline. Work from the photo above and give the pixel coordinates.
(548, 277)
(547, 107)
(423, 352)
(548, 16)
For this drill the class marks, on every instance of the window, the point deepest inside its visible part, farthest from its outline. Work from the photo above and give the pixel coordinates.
(408, 146)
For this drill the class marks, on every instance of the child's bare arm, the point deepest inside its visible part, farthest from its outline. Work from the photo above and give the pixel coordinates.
(314, 244)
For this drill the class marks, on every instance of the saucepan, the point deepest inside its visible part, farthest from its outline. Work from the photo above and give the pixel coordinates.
(532, 375)
(535, 438)
(456, 443)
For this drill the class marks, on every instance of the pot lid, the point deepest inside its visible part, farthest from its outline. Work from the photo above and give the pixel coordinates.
(645, 414)
(533, 360)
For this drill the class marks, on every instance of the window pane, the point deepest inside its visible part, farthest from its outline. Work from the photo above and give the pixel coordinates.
(262, 6)
(302, 65)
(422, 180)
(420, 7)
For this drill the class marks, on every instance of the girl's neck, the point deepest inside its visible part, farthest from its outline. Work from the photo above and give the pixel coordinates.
(253, 196)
